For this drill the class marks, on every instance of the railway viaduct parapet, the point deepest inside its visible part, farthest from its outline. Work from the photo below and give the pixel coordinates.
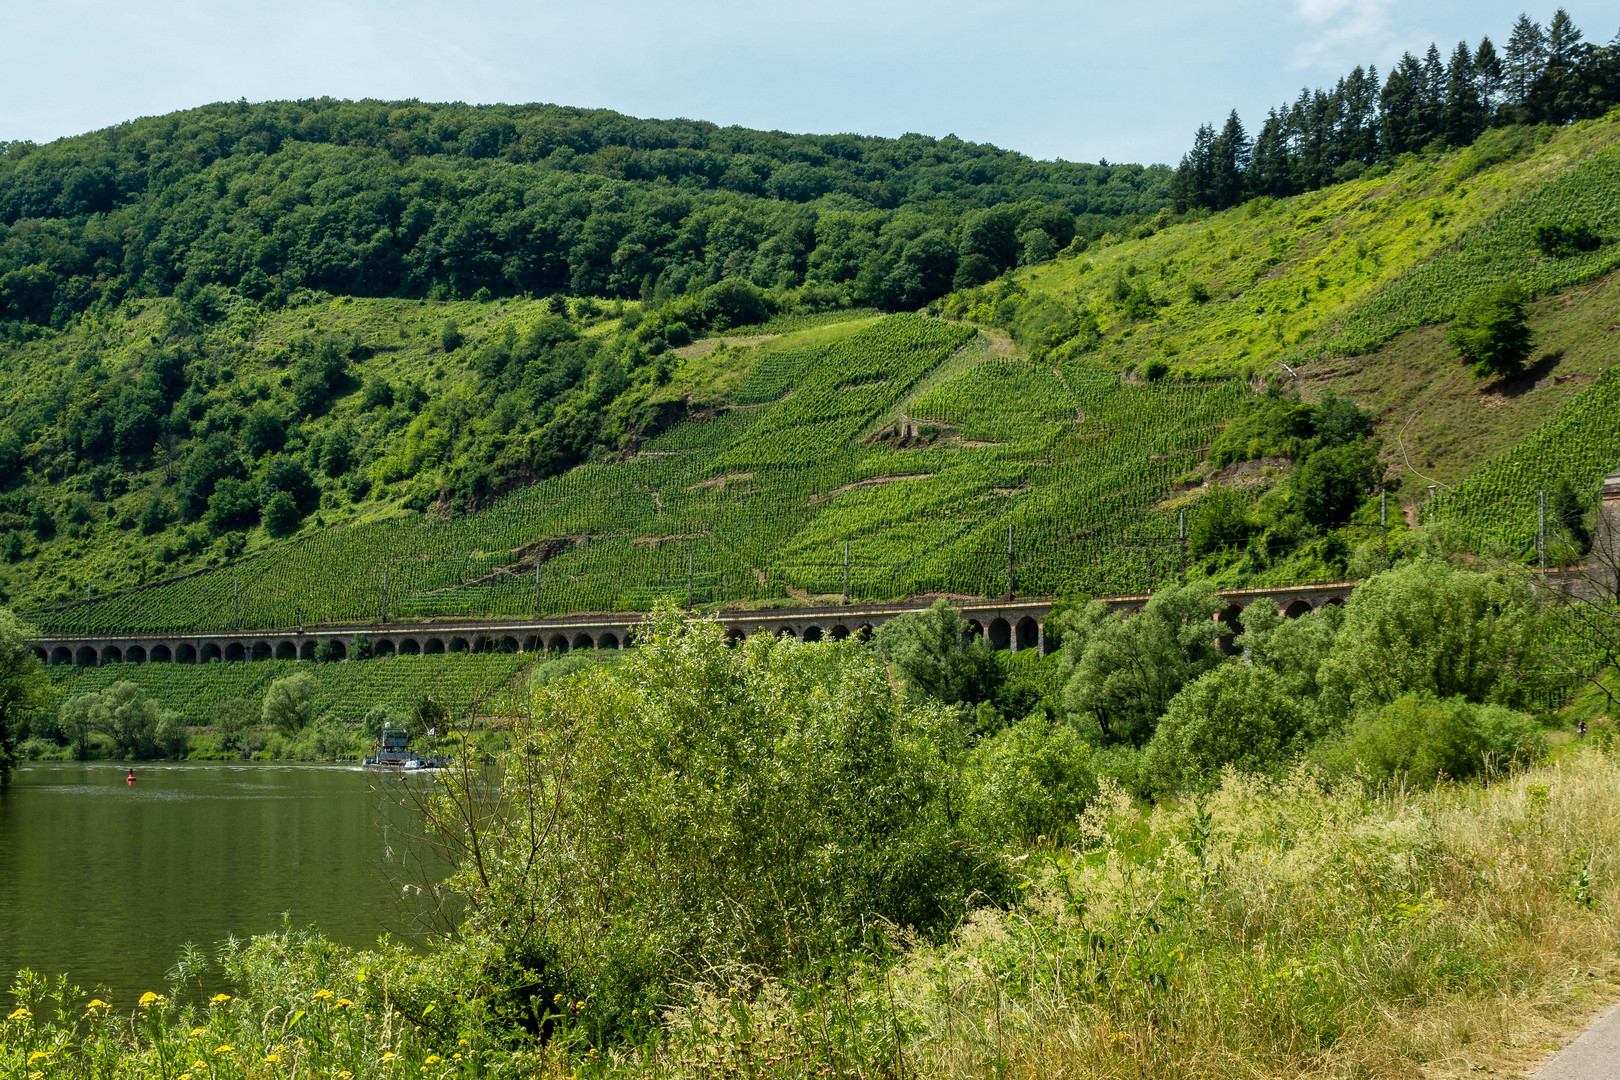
(1011, 624)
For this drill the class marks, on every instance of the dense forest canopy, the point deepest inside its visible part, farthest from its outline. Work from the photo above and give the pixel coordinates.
(1544, 75)
(376, 198)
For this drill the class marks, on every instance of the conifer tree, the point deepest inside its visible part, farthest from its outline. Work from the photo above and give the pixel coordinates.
(1525, 59)
(1464, 112)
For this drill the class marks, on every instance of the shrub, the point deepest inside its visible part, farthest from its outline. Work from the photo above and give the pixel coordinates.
(1493, 333)
(450, 338)
(1030, 780)
(289, 704)
(1556, 241)
(1430, 627)
(939, 657)
(1220, 522)
(1420, 739)
(698, 810)
(1155, 370)
(1331, 483)
(1119, 675)
(1238, 714)
(281, 516)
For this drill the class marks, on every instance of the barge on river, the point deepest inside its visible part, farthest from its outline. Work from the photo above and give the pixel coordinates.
(393, 751)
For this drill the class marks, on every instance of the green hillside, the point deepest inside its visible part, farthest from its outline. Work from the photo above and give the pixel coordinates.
(514, 457)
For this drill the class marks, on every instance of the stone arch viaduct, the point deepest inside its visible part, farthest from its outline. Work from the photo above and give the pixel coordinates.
(1008, 624)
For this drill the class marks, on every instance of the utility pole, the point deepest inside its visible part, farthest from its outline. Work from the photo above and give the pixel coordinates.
(1011, 581)
(1181, 537)
(1383, 521)
(1541, 531)
(846, 571)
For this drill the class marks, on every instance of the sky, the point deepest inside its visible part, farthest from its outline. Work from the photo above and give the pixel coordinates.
(1082, 80)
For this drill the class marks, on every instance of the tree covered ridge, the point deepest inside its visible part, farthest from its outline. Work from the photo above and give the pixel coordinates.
(378, 198)
(1544, 75)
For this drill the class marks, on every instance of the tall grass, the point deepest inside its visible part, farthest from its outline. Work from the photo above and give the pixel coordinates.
(1278, 929)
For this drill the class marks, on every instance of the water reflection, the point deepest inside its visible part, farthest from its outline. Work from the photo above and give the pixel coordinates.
(105, 881)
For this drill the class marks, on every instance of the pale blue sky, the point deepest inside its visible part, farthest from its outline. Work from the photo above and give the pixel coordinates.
(1080, 80)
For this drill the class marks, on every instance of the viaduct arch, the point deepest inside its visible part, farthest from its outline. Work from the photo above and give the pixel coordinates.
(1012, 625)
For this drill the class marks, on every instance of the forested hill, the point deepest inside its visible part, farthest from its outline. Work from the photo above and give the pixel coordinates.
(408, 199)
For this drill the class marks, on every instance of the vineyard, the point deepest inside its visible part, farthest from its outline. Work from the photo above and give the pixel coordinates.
(883, 458)
(759, 503)
(346, 691)
(1497, 506)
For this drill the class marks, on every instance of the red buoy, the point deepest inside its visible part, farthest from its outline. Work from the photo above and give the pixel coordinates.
(130, 779)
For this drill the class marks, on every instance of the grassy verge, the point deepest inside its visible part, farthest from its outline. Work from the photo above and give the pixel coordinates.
(1276, 930)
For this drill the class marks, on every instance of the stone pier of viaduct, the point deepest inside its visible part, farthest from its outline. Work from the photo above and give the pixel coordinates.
(1013, 624)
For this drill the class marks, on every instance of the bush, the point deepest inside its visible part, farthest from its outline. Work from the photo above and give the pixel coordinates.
(1030, 780)
(1421, 739)
(699, 811)
(1433, 628)
(450, 338)
(1220, 521)
(1556, 241)
(1493, 333)
(1155, 370)
(1239, 715)
(289, 704)
(281, 516)
(939, 657)
(1331, 483)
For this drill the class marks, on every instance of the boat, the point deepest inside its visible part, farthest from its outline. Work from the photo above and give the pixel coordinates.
(393, 751)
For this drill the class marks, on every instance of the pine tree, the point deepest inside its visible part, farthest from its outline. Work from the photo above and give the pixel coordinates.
(1464, 113)
(1525, 59)
(1431, 99)
(1270, 172)
(1557, 97)
(1358, 132)
(1399, 106)
(1488, 76)
(1230, 154)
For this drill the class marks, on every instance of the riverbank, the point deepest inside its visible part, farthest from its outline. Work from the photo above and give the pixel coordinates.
(1277, 930)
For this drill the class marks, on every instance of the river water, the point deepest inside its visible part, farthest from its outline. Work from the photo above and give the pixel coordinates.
(105, 881)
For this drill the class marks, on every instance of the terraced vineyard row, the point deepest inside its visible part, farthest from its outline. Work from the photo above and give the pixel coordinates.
(1497, 506)
(760, 502)
(346, 691)
(1501, 252)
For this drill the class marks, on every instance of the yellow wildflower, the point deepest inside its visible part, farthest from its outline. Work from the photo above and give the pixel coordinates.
(19, 1013)
(322, 995)
(35, 1075)
(219, 999)
(343, 1003)
(224, 1050)
(149, 999)
(387, 1057)
(431, 1059)
(272, 1059)
(461, 1042)
(185, 1076)
(198, 1032)
(97, 1003)
(38, 1055)
(345, 1075)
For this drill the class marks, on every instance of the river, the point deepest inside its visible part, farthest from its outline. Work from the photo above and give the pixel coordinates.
(105, 881)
